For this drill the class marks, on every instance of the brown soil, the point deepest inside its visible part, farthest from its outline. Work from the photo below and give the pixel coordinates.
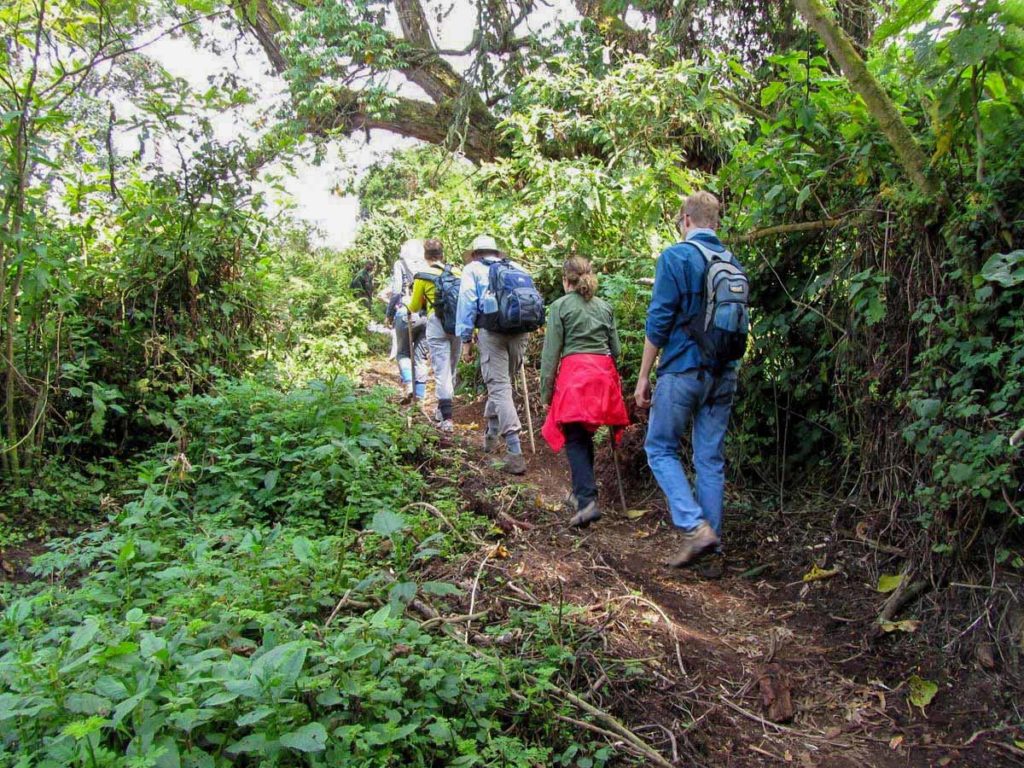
(703, 645)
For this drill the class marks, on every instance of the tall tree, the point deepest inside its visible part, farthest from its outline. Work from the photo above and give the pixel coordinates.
(909, 153)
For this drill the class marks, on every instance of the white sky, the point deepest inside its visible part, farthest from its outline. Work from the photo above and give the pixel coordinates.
(310, 192)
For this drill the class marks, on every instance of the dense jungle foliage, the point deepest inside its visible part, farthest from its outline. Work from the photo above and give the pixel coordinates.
(174, 351)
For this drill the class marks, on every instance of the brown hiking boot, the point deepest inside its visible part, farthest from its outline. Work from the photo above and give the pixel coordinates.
(514, 464)
(712, 566)
(695, 543)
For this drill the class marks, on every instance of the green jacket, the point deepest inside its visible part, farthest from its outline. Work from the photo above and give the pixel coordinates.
(575, 326)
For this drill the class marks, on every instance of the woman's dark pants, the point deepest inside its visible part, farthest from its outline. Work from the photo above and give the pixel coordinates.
(579, 448)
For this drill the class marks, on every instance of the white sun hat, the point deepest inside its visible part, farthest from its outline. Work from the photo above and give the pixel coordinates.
(484, 243)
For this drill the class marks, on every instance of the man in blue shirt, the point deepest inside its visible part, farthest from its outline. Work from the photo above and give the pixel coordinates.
(501, 354)
(687, 389)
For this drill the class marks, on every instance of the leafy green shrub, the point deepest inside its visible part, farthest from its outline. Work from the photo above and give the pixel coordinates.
(319, 452)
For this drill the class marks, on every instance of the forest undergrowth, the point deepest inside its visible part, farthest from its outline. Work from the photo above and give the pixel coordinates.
(305, 576)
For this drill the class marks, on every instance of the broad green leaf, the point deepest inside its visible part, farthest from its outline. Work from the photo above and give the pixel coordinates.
(87, 704)
(308, 738)
(302, 548)
(251, 718)
(1006, 269)
(386, 523)
(270, 479)
(908, 13)
(440, 588)
(921, 691)
(254, 742)
(887, 582)
(84, 635)
(801, 198)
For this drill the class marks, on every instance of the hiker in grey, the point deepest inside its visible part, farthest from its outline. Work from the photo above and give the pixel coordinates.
(410, 327)
(431, 294)
(501, 353)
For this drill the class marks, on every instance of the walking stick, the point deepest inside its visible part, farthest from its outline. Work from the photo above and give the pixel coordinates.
(618, 472)
(526, 399)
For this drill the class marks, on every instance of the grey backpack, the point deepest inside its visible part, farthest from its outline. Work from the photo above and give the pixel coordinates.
(721, 328)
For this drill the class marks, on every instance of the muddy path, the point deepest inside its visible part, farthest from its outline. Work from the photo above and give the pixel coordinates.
(717, 657)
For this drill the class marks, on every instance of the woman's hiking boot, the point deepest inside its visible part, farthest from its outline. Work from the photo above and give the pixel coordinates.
(514, 464)
(586, 516)
(446, 426)
(697, 542)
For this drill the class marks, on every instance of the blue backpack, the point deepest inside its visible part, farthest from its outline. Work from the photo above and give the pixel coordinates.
(446, 295)
(721, 327)
(518, 306)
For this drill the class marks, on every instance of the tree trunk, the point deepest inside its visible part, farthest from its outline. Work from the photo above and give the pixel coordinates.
(455, 116)
(908, 152)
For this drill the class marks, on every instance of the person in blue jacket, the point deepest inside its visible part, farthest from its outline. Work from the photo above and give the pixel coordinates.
(687, 390)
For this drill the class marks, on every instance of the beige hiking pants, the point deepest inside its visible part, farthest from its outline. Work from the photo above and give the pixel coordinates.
(500, 357)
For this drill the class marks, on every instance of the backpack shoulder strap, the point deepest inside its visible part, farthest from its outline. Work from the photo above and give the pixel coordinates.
(710, 254)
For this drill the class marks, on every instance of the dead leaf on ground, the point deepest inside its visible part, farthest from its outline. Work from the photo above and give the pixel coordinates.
(499, 552)
(641, 534)
(635, 514)
(985, 656)
(906, 625)
(817, 573)
(895, 742)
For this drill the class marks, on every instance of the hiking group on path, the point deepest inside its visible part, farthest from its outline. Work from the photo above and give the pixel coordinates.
(696, 332)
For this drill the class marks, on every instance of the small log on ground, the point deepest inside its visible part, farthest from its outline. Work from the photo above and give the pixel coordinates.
(774, 685)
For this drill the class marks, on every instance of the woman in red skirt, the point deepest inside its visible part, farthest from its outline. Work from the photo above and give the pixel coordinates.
(580, 382)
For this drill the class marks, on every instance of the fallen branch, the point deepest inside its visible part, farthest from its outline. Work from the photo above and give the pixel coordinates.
(787, 229)
(903, 595)
(464, 618)
(776, 726)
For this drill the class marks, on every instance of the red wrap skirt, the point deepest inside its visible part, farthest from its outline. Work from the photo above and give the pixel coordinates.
(587, 391)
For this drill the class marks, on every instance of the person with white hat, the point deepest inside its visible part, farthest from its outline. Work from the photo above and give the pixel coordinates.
(498, 297)
(410, 327)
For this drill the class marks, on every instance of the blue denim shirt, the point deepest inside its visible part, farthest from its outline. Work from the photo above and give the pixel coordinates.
(676, 299)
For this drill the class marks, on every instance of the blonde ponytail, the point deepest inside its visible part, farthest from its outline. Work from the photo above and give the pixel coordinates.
(580, 276)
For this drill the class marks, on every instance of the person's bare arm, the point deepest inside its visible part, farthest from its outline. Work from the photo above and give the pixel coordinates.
(643, 384)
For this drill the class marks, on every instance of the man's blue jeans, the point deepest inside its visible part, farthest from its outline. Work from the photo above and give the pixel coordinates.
(707, 401)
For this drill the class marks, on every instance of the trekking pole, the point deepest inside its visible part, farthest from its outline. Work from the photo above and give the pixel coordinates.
(526, 399)
(618, 472)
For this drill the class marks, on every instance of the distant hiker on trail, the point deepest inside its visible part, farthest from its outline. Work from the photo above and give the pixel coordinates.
(410, 328)
(436, 291)
(578, 379)
(698, 321)
(498, 297)
(362, 284)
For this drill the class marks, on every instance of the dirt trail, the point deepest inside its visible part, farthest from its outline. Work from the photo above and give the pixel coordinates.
(708, 647)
